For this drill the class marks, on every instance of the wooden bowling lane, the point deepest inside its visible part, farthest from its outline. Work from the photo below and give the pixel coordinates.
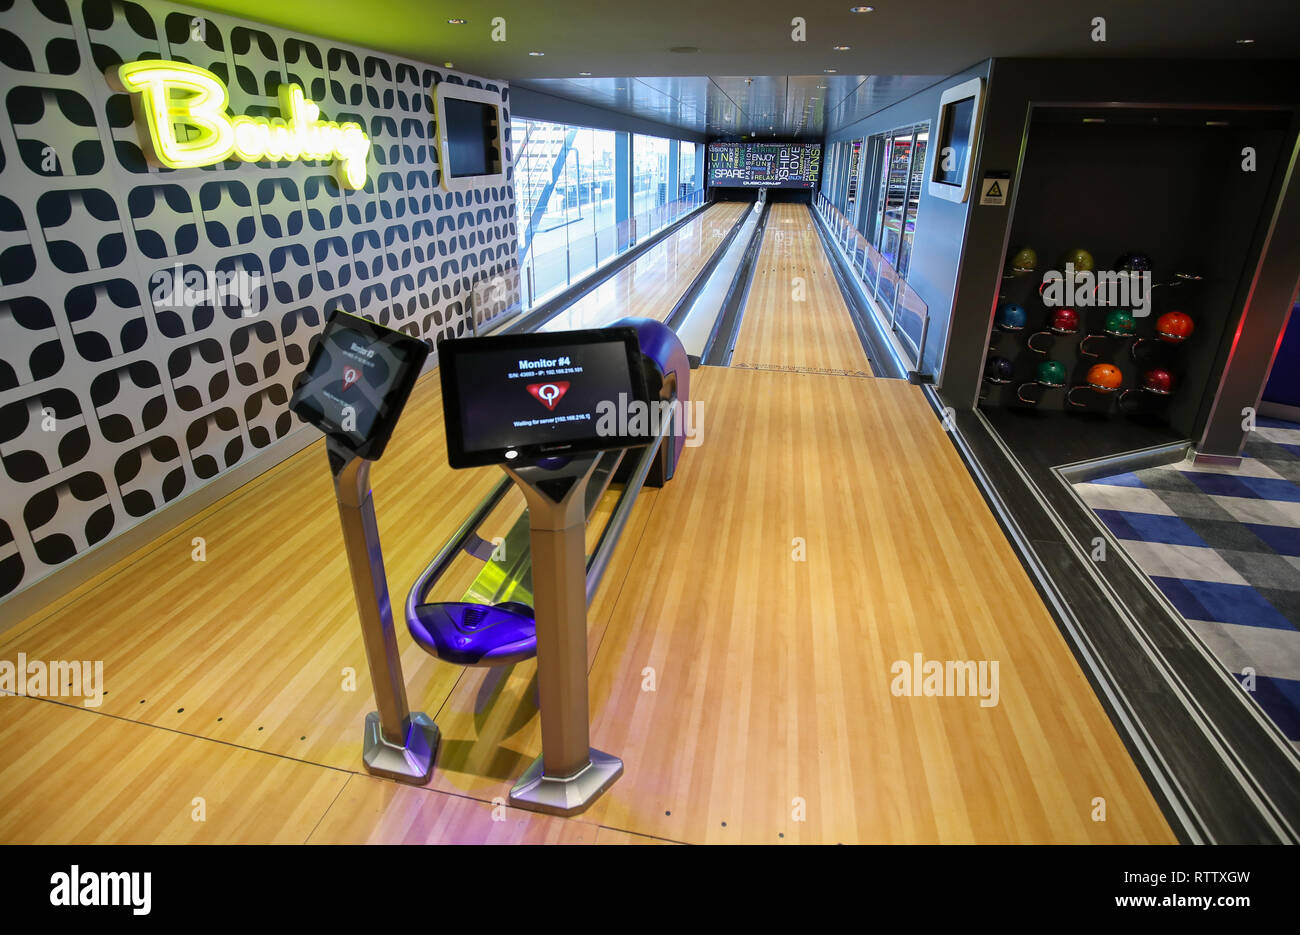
(795, 317)
(741, 653)
(650, 285)
(67, 778)
(257, 644)
(770, 596)
(71, 775)
(370, 811)
(741, 649)
(749, 693)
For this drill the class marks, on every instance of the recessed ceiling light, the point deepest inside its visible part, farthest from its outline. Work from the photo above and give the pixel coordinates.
(584, 74)
(841, 48)
(830, 71)
(537, 54)
(861, 9)
(1245, 42)
(455, 22)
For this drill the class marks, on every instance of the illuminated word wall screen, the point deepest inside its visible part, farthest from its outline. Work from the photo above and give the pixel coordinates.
(764, 165)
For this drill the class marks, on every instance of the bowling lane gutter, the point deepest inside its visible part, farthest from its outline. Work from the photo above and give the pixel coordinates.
(683, 306)
(722, 340)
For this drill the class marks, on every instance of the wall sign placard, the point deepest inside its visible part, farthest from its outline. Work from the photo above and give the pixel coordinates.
(168, 95)
(995, 188)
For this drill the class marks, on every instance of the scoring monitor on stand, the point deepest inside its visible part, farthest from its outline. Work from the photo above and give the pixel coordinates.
(354, 388)
(544, 406)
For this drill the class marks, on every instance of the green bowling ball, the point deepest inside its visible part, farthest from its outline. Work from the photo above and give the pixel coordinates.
(1025, 260)
(1120, 322)
(1051, 373)
(1080, 259)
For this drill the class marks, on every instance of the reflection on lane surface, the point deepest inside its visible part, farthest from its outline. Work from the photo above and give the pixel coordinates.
(652, 283)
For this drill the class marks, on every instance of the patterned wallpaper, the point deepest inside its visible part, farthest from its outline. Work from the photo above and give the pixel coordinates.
(117, 395)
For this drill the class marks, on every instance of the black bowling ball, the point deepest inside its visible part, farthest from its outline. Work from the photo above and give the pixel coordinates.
(997, 370)
(1134, 263)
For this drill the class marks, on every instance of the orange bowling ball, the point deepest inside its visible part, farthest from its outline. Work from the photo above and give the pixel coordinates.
(1173, 327)
(1105, 376)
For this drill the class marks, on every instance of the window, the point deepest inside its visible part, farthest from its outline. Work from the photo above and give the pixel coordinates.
(920, 143)
(570, 188)
(650, 176)
(897, 175)
(689, 176)
(596, 163)
(542, 197)
(855, 154)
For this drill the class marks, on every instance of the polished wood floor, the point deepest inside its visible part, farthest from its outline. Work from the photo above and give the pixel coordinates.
(795, 317)
(741, 649)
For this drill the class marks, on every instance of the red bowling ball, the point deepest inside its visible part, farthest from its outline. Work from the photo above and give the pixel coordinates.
(1158, 380)
(1064, 321)
(1173, 327)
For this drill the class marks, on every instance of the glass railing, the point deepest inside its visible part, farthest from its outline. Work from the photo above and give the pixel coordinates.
(902, 311)
(571, 250)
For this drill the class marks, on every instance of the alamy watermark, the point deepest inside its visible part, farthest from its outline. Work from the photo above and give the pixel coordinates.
(631, 417)
(59, 678)
(953, 678)
(179, 287)
(624, 417)
(1083, 288)
(128, 889)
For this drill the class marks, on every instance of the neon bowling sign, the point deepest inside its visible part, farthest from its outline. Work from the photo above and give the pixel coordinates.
(174, 95)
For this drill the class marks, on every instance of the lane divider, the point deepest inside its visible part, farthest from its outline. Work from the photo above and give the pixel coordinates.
(722, 339)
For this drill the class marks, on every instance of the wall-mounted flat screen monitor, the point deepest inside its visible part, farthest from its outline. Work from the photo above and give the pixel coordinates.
(357, 381)
(471, 136)
(515, 399)
(952, 154)
(954, 142)
(471, 147)
(764, 165)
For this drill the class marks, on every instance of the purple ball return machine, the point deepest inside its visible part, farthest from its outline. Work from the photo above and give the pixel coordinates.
(475, 634)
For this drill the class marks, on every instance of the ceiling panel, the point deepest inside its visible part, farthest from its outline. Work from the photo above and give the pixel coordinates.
(757, 37)
(784, 107)
(873, 93)
(579, 48)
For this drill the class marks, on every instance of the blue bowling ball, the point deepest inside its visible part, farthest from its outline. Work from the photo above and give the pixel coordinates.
(1011, 317)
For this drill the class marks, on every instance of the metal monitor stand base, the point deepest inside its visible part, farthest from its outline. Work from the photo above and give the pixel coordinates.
(397, 744)
(569, 774)
(409, 762)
